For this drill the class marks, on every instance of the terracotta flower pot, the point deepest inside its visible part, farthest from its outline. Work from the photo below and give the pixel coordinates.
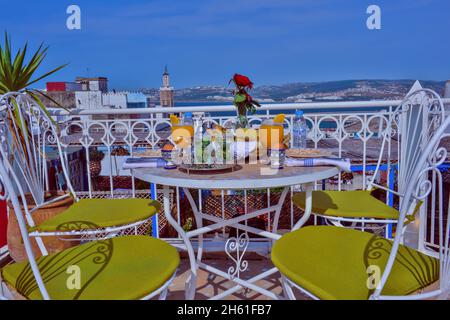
(53, 244)
(95, 168)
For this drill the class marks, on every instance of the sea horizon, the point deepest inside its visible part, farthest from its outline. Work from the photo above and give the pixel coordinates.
(263, 112)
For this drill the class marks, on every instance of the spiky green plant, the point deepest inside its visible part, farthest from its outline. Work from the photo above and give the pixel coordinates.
(17, 75)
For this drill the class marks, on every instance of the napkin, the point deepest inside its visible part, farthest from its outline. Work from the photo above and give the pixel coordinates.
(342, 164)
(144, 162)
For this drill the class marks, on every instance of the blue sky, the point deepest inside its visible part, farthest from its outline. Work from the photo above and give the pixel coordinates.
(206, 41)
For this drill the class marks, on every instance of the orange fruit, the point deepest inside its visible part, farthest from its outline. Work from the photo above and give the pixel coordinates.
(219, 128)
(279, 118)
(167, 147)
(174, 119)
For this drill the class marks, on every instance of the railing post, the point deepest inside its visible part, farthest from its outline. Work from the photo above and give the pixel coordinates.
(391, 176)
(155, 222)
(92, 133)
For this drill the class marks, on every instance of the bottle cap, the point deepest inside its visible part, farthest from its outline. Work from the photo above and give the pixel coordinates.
(188, 114)
(298, 113)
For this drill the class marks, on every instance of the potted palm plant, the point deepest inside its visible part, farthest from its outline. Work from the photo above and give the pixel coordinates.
(17, 74)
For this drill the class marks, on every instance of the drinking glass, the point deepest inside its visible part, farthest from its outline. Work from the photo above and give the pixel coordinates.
(271, 134)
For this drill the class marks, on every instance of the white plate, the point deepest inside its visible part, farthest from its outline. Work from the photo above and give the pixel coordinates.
(308, 153)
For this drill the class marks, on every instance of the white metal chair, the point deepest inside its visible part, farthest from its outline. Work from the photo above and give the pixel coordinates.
(412, 122)
(127, 267)
(329, 262)
(27, 135)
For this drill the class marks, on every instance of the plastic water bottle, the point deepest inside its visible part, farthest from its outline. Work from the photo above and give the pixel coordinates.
(187, 120)
(198, 142)
(187, 136)
(299, 130)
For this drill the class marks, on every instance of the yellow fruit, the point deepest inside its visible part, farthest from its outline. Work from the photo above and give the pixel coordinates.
(174, 119)
(243, 134)
(279, 118)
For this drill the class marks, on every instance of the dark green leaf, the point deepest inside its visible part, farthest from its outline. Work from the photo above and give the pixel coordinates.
(239, 98)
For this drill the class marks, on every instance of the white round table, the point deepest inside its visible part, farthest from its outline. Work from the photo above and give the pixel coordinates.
(246, 177)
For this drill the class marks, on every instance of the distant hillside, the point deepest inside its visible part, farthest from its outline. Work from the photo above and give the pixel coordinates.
(346, 90)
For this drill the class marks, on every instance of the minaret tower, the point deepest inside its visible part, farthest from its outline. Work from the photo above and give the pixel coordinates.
(166, 91)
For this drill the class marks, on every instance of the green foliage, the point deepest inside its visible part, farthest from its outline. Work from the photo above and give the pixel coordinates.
(188, 225)
(239, 98)
(242, 121)
(242, 99)
(15, 73)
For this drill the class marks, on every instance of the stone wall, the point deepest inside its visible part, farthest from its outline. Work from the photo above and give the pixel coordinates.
(64, 98)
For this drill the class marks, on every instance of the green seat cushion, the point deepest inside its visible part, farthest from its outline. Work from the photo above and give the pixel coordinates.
(348, 204)
(128, 267)
(101, 213)
(332, 262)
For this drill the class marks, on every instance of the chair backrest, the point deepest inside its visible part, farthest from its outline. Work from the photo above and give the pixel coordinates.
(92, 257)
(419, 116)
(28, 134)
(425, 183)
(411, 124)
(8, 189)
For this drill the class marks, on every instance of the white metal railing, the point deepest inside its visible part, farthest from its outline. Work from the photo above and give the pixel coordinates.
(264, 107)
(350, 129)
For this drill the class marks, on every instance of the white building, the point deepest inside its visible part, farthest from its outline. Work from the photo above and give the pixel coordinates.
(88, 100)
(136, 100)
(93, 94)
(93, 84)
(115, 100)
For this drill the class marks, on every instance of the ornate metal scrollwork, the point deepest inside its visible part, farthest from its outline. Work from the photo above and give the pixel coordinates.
(239, 246)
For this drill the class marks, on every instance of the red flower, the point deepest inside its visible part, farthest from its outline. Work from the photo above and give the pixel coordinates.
(242, 81)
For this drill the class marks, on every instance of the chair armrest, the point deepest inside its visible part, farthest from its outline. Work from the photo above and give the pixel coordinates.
(377, 186)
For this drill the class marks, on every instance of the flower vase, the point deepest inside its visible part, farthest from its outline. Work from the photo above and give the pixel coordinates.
(242, 120)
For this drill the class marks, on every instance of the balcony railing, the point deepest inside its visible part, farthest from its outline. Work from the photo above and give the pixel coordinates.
(350, 129)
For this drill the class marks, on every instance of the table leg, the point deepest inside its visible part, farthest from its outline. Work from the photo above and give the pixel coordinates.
(191, 283)
(236, 245)
(278, 207)
(241, 265)
(308, 210)
(198, 222)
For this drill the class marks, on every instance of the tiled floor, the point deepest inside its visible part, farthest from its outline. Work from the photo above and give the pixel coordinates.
(210, 286)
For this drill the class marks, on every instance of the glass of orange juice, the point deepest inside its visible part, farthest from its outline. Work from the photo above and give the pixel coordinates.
(271, 134)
